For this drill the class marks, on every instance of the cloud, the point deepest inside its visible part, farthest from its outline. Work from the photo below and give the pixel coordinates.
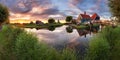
(40, 9)
(91, 6)
(33, 9)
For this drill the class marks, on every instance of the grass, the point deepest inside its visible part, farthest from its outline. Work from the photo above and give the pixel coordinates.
(17, 44)
(104, 46)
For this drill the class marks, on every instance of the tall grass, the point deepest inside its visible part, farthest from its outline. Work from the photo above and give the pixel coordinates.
(7, 42)
(98, 49)
(106, 46)
(17, 44)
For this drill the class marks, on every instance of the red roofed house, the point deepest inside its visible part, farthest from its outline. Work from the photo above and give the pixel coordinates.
(95, 17)
(83, 18)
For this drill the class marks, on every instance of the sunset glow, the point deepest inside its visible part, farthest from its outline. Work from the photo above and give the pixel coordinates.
(57, 9)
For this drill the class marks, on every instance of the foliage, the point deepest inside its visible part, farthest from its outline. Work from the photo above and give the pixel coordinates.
(98, 49)
(4, 14)
(115, 8)
(31, 22)
(113, 37)
(28, 48)
(69, 18)
(105, 46)
(51, 28)
(20, 45)
(68, 54)
(51, 20)
(7, 42)
(69, 29)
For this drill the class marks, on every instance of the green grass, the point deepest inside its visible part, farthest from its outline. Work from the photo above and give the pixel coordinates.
(106, 45)
(99, 49)
(17, 44)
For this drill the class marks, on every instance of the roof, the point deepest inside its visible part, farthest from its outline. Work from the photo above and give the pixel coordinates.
(94, 16)
(85, 16)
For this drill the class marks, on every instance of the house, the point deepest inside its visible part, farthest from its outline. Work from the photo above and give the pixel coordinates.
(95, 17)
(82, 18)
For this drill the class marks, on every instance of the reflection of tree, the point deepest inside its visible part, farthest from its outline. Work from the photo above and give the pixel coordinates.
(69, 29)
(37, 28)
(89, 29)
(51, 28)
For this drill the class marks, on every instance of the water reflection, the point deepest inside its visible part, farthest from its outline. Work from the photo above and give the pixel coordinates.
(65, 36)
(60, 35)
(51, 28)
(69, 29)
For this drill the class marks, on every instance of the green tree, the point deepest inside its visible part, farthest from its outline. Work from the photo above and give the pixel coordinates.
(31, 22)
(115, 8)
(51, 20)
(4, 14)
(69, 18)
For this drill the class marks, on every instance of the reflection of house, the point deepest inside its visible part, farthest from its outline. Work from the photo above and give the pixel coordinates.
(83, 18)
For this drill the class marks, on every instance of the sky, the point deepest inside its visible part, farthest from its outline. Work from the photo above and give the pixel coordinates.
(58, 9)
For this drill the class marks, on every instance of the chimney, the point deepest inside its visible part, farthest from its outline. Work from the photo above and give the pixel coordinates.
(85, 13)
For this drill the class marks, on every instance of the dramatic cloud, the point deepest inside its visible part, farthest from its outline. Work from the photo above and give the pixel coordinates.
(59, 9)
(92, 6)
(32, 9)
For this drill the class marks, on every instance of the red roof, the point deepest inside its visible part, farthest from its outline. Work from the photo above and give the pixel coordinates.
(85, 16)
(94, 16)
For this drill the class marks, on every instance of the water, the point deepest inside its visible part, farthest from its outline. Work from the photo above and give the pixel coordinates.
(60, 37)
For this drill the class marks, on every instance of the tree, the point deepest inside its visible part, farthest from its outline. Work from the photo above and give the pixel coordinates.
(115, 8)
(51, 20)
(39, 22)
(69, 18)
(31, 22)
(58, 21)
(4, 14)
